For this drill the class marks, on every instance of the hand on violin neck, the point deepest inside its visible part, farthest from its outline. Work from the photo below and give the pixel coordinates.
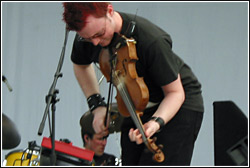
(135, 136)
(151, 127)
(98, 121)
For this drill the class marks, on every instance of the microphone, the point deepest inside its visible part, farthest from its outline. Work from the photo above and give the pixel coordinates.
(4, 79)
(130, 29)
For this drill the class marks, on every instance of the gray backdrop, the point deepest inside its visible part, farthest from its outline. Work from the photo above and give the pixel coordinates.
(212, 37)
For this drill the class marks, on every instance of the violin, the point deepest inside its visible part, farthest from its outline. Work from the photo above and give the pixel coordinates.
(118, 66)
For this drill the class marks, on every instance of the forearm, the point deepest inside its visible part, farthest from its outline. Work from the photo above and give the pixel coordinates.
(174, 97)
(85, 75)
(170, 106)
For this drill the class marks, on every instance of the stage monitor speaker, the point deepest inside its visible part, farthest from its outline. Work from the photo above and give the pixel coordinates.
(230, 135)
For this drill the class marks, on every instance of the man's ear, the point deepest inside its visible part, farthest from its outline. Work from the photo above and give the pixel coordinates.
(110, 10)
(86, 137)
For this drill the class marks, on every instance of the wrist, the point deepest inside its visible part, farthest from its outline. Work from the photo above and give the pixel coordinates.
(95, 101)
(159, 120)
(99, 110)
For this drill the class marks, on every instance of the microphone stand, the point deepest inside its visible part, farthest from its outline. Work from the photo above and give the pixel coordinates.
(51, 99)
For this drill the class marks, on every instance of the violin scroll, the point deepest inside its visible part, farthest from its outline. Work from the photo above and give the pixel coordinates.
(156, 150)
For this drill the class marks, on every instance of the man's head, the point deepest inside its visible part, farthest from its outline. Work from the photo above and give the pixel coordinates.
(75, 13)
(93, 21)
(95, 142)
(91, 140)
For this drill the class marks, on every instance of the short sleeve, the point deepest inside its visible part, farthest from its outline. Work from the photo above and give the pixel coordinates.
(163, 63)
(84, 52)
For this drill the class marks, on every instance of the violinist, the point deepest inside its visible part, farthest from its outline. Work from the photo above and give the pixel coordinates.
(175, 109)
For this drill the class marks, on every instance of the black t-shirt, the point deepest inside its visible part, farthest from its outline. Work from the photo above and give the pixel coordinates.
(104, 160)
(157, 64)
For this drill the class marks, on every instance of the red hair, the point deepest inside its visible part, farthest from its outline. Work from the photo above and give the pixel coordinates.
(75, 13)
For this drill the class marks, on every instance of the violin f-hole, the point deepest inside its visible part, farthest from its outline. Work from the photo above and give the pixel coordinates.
(124, 66)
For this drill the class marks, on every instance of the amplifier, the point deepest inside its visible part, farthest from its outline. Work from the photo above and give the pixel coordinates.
(66, 154)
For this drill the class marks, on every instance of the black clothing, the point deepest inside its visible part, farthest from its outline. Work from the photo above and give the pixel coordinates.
(177, 137)
(104, 160)
(159, 66)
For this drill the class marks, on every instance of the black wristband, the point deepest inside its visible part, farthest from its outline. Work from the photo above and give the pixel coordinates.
(159, 120)
(95, 100)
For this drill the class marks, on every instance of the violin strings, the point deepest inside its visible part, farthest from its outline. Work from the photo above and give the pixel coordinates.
(127, 100)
